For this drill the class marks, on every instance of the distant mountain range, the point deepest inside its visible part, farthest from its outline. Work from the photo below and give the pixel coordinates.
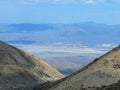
(87, 33)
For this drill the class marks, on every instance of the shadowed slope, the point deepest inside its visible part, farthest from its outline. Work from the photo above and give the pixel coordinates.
(21, 70)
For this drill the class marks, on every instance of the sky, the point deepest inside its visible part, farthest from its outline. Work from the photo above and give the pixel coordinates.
(60, 11)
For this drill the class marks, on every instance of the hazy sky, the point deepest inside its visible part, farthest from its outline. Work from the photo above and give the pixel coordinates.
(60, 11)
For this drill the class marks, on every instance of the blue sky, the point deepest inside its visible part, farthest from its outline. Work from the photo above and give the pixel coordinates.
(60, 11)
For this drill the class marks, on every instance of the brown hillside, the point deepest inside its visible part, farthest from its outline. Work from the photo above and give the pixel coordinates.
(20, 70)
(101, 72)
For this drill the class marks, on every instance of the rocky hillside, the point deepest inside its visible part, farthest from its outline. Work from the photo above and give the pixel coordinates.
(102, 71)
(20, 70)
(114, 86)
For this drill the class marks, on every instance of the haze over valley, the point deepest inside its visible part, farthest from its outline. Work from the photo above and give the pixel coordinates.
(67, 47)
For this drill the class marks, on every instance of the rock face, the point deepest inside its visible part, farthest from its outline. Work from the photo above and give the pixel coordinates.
(103, 71)
(20, 70)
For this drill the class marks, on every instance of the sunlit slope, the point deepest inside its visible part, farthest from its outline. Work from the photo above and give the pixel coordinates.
(21, 70)
(102, 71)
